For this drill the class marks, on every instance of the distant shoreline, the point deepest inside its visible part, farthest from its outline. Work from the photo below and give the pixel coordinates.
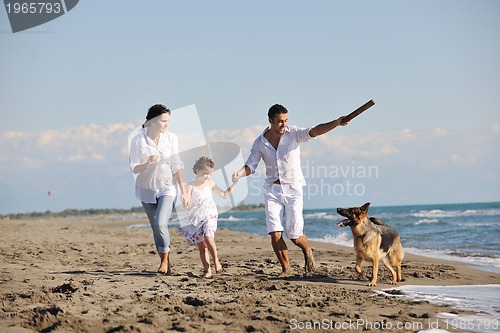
(240, 208)
(70, 213)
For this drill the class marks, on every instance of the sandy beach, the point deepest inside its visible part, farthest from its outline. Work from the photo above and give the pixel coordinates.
(71, 275)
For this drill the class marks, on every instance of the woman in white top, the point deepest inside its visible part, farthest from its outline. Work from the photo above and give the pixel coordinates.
(154, 159)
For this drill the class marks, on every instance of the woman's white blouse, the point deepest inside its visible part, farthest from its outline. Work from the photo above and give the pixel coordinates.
(158, 179)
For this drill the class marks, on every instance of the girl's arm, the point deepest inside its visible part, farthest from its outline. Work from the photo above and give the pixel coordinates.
(221, 193)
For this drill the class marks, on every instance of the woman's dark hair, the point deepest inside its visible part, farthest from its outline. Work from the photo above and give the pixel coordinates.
(155, 111)
(202, 162)
(276, 109)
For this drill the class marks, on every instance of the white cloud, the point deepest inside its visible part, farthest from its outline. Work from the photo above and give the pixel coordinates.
(410, 152)
(93, 159)
(456, 158)
(243, 137)
(12, 135)
(439, 132)
(106, 143)
(406, 134)
(495, 128)
(86, 143)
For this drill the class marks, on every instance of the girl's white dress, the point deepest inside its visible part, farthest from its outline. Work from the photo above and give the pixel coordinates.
(202, 216)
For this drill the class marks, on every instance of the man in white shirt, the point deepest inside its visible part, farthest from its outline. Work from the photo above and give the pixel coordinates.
(279, 147)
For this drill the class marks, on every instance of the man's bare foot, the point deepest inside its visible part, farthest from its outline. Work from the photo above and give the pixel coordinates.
(310, 265)
(285, 273)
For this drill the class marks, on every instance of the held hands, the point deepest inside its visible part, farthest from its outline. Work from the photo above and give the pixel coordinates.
(236, 176)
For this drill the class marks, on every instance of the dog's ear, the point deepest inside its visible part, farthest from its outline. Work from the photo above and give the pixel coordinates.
(365, 207)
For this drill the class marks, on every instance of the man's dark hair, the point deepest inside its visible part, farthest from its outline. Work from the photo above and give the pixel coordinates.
(276, 109)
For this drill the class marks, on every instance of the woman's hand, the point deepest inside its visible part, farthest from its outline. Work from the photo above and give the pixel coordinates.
(142, 167)
(152, 159)
(186, 200)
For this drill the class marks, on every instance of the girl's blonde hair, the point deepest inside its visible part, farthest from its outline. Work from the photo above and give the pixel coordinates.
(201, 163)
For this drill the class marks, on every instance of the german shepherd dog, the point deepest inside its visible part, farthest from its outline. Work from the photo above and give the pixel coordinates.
(373, 240)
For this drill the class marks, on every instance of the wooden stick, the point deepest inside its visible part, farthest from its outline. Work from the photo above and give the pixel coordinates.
(359, 110)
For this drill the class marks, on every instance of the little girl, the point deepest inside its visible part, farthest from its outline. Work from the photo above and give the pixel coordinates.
(199, 228)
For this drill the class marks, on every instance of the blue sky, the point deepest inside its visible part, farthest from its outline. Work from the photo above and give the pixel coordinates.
(73, 88)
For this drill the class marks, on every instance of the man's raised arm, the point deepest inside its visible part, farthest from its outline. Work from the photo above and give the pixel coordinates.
(327, 127)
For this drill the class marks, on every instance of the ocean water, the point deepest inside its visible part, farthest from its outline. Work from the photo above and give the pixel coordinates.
(482, 299)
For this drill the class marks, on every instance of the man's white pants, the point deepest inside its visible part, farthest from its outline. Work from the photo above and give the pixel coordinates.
(284, 202)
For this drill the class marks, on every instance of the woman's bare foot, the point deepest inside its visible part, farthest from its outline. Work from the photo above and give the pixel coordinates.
(165, 266)
(168, 271)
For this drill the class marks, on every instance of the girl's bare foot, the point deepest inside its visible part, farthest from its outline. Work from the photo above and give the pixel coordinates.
(208, 274)
(218, 266)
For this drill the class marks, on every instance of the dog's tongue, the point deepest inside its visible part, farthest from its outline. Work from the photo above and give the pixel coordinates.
(342, 223)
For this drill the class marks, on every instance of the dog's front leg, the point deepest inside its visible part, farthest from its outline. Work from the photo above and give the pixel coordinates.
(359, 259)
(373, 282)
